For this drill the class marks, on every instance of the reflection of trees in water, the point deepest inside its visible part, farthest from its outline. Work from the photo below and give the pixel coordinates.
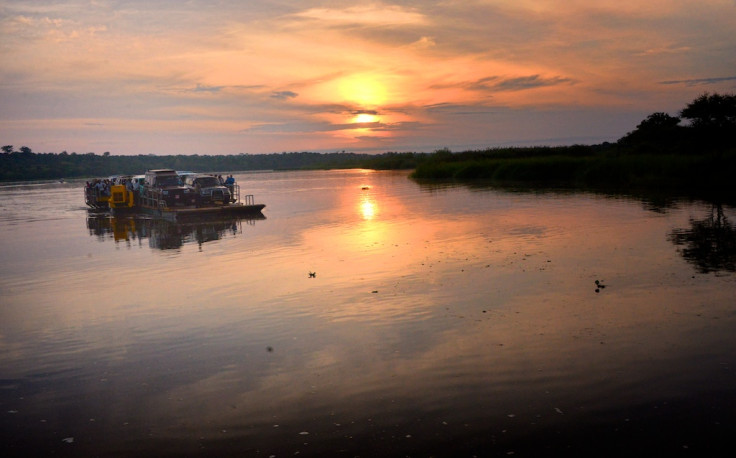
(709, 244)
(657, 201)
(163, 235)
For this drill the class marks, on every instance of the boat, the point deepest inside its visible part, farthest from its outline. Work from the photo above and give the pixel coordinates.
(162, 194)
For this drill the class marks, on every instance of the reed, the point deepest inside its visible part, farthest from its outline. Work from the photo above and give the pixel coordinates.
(609, 168)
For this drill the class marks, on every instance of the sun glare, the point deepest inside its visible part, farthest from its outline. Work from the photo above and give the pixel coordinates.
(364, 90)
(367, 208)
(365, 117)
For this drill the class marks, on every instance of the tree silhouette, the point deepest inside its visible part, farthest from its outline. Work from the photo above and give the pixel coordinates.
(660, 132)
(713, 119)
(711, 127)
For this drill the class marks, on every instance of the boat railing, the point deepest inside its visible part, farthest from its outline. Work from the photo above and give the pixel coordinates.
(250, 199)
(89, 197)
(153, 199)
(96, 198)
(234, 192)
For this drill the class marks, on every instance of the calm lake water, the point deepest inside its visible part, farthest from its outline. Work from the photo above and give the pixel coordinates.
(440, 321)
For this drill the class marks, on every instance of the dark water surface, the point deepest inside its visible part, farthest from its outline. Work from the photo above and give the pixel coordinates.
(441, 321)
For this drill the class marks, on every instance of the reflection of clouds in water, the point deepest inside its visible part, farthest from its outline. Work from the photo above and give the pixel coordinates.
(451, 306)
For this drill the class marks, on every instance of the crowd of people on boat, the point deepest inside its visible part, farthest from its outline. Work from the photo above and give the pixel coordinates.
(101, 186)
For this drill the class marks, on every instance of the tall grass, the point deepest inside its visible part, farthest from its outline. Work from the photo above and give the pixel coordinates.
(586, 168)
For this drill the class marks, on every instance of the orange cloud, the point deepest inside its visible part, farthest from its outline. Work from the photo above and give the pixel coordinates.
(276, 71)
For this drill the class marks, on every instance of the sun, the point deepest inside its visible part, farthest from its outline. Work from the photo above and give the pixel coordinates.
(364, 90)
(365, 118)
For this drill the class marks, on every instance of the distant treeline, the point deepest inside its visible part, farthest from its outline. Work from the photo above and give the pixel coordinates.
(27, 165)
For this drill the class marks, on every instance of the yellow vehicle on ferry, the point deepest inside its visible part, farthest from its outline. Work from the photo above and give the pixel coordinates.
(124, 196)
(116, 193)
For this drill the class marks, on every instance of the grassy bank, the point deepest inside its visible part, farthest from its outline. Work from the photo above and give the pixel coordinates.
(584, 167)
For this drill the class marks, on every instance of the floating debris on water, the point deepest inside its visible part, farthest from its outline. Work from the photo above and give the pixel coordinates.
(312, 274)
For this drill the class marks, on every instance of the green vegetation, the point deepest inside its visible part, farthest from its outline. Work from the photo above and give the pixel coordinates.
(660, 153)
(603, 167)
(27, 165)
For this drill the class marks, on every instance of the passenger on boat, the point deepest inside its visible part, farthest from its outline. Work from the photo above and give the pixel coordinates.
(230, 180)
(102, 188)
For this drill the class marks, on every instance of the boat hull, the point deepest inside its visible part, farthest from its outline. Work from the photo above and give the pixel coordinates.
(188, 213)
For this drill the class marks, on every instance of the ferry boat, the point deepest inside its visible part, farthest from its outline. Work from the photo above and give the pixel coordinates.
(163, 194)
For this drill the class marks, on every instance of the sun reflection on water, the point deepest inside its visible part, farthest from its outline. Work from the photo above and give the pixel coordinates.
(368, 208)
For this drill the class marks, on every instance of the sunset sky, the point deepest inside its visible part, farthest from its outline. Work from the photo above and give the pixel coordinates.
(257, 76)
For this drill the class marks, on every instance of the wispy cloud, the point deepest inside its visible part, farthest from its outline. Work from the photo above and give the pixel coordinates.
(526, 82)
(210, 89)
(699, 81)
(664, 50)
(368, 14)
(500, 84)
(284, 95)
